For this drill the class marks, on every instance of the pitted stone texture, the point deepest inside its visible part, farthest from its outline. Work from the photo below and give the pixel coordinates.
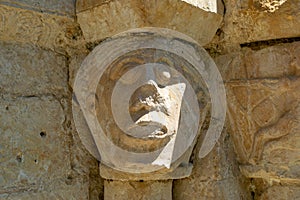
(34, 150)
(115, 17)
(270, 62)
(85, 166)
(147, 190)
(248, 21)
(27, 70)
(66, 7)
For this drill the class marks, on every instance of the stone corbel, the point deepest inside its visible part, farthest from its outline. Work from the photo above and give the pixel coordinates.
(198, 19)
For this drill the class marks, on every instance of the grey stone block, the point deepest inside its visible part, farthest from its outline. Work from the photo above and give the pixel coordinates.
(29, 70)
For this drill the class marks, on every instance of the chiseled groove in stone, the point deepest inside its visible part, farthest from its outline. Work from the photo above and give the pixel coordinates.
(26, 26)
(27, 6)
(251, 171)
(258, 45)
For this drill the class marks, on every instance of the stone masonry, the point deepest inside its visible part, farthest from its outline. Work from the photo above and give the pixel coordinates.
(255, 45)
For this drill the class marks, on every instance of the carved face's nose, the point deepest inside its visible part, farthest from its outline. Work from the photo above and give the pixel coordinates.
(152, 83)
(147, 98)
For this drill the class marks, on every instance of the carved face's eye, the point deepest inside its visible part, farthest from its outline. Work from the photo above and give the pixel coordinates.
(124, 70)
(131, 76)
(163, 75)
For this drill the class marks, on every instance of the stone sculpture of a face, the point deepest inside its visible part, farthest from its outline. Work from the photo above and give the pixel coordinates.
(144, 99)
(155, 105)
(145, 96)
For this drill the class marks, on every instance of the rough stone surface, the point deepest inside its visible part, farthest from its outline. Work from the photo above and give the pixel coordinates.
(58, 7)
(82, 5)
(214, 177)
(152, 190)
(265, 123)
(41, 156)
(263, 109)
(280, 193)
(208, 190)
(33, 70)
(249, 21)
(115, 17)
(42, 47)
(271, 62)
(35, 157)
(42, 29)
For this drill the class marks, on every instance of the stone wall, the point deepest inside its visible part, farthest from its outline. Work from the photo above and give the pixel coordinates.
(259, 61)
(41, 157)
(257, 50)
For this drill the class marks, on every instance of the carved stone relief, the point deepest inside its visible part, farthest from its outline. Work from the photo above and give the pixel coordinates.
(149, 100)
(265, 119)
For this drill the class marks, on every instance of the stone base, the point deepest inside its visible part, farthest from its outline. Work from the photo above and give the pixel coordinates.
(134, 190)
(178, 173)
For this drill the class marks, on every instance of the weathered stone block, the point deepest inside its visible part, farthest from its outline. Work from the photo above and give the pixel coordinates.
(276, 61)
(41, 29)
(149, 190)
(33, 147)
(210, 190)
(82, 5)
(178, 173)
(264, 116)
(214, 177)
(232, 66)
(281, 193)
(61, 191)
(270, 62)
(249, 21)
(110, 18)
(27, 70)
(66, 7)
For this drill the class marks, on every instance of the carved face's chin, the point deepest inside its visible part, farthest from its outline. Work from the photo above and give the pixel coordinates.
(148, 127)
(160, 130)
